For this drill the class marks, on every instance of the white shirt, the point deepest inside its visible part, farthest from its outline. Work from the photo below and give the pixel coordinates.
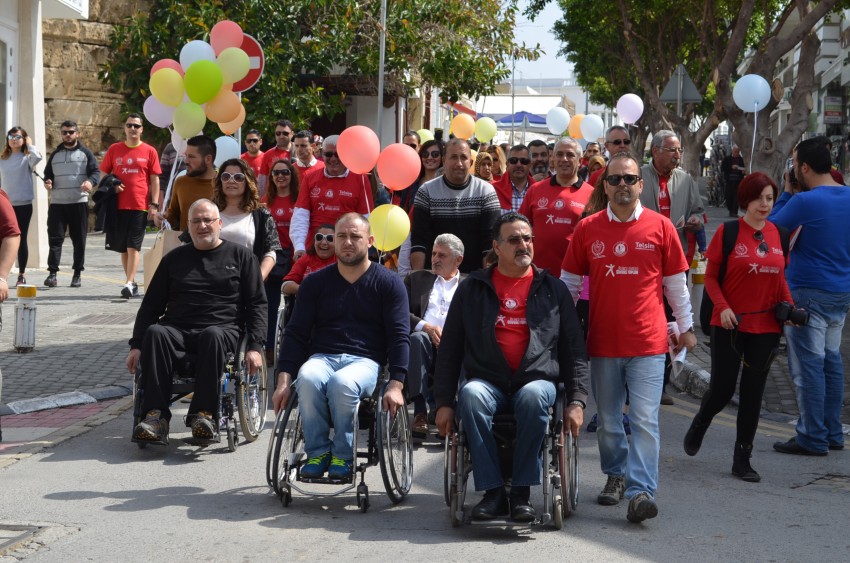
(439, 301)
(240, 229)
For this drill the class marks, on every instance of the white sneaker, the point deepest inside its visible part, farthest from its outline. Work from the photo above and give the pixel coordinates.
(129, 290)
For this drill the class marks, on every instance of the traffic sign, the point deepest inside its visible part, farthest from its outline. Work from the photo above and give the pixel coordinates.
(254, 51)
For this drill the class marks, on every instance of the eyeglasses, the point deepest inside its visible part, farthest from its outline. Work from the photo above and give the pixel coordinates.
(320, 237)
(411, 145)
(14, 137)
(515, 239)
(204, 220)
(431, 154)
(629, 179)
(66, 133)
(281, 172)
(330, 154)
(523, 160)
(679, 150)
(759, 236)
(619, 142)
(281, 133)
(252, 140)
(133, 125)
(227, 176)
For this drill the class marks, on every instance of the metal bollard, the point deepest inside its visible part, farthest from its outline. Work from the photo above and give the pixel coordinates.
(25, 318)
(697, 284)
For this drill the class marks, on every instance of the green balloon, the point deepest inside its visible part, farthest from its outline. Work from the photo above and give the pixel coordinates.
(203, 80)
(189, 119)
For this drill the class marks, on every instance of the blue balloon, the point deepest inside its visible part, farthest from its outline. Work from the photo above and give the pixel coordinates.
(751, 93)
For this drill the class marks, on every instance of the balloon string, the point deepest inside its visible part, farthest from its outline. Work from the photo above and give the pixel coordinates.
(755, 130)
(365, 194)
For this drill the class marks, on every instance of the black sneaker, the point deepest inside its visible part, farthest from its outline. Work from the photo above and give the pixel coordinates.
(641, 508)
(50, 280)
(153, 429)
(75, 281)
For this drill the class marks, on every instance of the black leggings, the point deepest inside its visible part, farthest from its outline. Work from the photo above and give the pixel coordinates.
(24, 214)
(728, 347)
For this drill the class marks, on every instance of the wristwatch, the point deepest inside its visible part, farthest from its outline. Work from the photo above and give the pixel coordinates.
(577, 402)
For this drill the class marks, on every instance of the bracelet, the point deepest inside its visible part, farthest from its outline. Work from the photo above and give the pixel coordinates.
(577, 402)
(154, 205)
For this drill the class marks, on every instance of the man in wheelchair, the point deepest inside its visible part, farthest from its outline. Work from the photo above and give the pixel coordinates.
(349, 318)
(200, 298)
(516, 335)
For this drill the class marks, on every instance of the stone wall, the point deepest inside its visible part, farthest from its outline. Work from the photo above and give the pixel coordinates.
(73, 53)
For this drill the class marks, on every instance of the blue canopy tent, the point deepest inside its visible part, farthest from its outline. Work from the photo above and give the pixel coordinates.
(526, 120)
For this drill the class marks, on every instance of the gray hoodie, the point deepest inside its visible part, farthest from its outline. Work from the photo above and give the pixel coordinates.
(68, 169)
(16, 175)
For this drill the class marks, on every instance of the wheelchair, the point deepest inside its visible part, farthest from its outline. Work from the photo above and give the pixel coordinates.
(560, 467)
(241, 395)
(388, 445)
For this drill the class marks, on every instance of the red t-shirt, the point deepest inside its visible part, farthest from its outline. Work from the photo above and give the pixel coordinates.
(554, 212)
(626, 263)
(318, 165)
(281, 211)
(595, 176)
(754, 280)
(306, 265)
(663, 196)
(270, 157)
(512, 331)
(328, 199)
(255, 162)
(8, 219)
(133, 166)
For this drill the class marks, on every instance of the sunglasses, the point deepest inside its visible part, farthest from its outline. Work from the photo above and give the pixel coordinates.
(629, 179)
(320, 237)
(281, 172)
(759, 236)
(431, 154)
(204, 220)
(523, 160)
(133, 125)
(330, 154)
(252, 140)
(281, 133)
(14, 137)
(673, 149)
(227, 176)
(619, 142)
(65, 133)
(515, 240)
(411, 145)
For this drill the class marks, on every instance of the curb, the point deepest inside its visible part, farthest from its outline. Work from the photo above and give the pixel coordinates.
(79, 397)
(692, 380)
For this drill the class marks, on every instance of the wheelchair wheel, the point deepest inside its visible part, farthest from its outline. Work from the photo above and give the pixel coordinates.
(271, 455)
(278, 335)
(558, 511)
(288, 449)
(395, 452)
(137, 406)
(571, 501)
(447, 469)
(252, 397)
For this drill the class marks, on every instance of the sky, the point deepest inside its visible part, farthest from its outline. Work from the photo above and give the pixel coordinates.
(540, 31)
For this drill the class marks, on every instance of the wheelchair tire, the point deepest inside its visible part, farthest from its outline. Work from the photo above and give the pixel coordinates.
(289, 442)
(558, 512)
(571, 501)
(278, 335)
(232, 439)
(395, 452)
(271, 453)
(447, 470)
(251, 397)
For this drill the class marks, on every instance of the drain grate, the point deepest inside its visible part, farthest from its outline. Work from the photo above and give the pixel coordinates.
(13, 536)
(106, 319)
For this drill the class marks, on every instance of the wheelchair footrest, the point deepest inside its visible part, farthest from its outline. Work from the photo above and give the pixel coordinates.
(324, 480)
(152, 442)
(203, 442)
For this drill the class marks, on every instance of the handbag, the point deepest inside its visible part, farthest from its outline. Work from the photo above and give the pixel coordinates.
(166, 241)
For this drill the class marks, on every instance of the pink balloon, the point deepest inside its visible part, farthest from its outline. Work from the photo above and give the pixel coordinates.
(225, 34)
(358, 148)
(398, 166)
(158, 113)
(167, 63)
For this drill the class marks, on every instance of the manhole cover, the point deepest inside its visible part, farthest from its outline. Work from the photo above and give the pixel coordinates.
(106, 319)
(12, 536)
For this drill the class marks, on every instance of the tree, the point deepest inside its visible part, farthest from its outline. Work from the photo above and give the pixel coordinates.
(458, 46)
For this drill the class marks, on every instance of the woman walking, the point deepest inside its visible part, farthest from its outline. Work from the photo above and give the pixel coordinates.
(17, 162)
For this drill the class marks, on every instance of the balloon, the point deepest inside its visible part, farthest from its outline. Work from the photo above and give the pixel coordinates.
(194, 51)
(557, 120)
(592, 127)
(485, 129)
(358, 148)
(166, 85)
(751, 92)
(463, 126)
(398, 166)
(224, 107)
(203, 80)
(234, 64)
(166, 63)
(189, 119)
(425, 135)
(225, 34)
(630, 108)
(158, 113)
(233, 125)
(390, 226)
(178, 142)
(575, 126)
(226, 147)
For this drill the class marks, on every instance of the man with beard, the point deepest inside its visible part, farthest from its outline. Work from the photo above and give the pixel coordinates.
(539, 153)
(633, 257)
(253, 156)
(196, 184)
(349, 318)
(514, 331)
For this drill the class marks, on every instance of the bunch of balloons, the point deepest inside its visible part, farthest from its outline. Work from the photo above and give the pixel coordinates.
(464, 127)
(185, 94)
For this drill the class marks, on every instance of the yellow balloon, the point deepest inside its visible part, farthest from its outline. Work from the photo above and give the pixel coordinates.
(390, 226)
(166, 85)
(485, 129)
(463, 126)
(575, 126)
(234, 64)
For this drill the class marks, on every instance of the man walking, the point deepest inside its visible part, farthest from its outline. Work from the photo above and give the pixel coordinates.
(71, 174)
(733, 171)
(253, 155)
(281, 151)
(196, 184)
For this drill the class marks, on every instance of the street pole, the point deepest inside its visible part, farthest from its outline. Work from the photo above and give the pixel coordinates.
(513, 94)
(381, 69)
(680, 83)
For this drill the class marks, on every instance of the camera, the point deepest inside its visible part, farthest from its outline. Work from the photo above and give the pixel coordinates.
(787, 312)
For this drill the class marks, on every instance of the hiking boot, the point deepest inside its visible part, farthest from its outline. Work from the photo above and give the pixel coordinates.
(316, 466)
(340, 469)
(203, 427)
(420, 425)
(613, 491)
(741, 463)
(50, 280)
(153, 429)
(641, 508)
(75, 281)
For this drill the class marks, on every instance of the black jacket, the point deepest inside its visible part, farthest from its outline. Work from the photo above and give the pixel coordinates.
(107, 197)
(555, 352)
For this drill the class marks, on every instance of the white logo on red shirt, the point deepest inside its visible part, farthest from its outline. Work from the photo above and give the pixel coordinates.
(510, 303)
(345, 193)
(574, 203)
(329, 194)
(119, 161)
(542, 202)
(644, 246)
(610, 271)
(754, 268)
(550, 219)
(559, 204)
(760, 252)
(321, 206)
(741, 249)
(597, 248)
(129, 160)
(500, 320)
(315, 192)
(620, 249)
(279, 211)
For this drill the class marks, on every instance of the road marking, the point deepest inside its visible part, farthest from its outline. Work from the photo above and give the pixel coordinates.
(766, 427)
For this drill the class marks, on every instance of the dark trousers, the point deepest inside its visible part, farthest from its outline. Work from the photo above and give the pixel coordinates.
(732, 196)
(163, 347)
(272, 287)
(23, 213)
(74, 216)
(423, 355)
(727, 350)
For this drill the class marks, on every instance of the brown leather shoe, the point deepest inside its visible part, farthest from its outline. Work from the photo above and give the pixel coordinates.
(420, 425)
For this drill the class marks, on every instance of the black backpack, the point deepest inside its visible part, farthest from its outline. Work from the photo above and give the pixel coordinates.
(730, 235)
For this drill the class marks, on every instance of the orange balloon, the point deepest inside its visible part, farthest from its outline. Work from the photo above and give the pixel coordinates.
(463, 126)
(233, 126)
(224, 107)
(575, 126)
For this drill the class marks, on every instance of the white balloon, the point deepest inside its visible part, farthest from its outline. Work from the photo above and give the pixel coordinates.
(751, 93)
(592, 127)
(158, 113)
(557, 120)
(194, 51)
(226, 148)
(178, 142)
(630, 108)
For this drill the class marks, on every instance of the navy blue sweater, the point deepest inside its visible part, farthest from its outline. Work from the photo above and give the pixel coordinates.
(368, 318)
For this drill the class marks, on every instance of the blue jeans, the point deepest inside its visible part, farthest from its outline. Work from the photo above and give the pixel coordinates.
(644, 376)
(814, 359)
(478, 402)
(329, 388)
